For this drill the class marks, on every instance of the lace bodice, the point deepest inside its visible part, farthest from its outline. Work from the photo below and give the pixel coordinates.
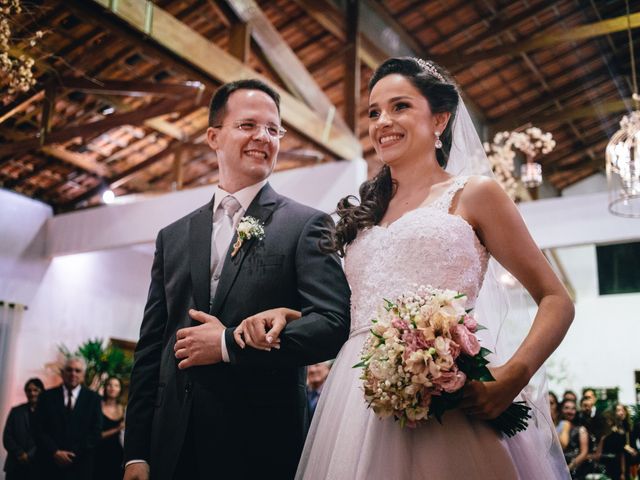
(427, 246)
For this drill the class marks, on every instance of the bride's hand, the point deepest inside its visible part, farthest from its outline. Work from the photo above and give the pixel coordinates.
(262, 330)
(487, 400)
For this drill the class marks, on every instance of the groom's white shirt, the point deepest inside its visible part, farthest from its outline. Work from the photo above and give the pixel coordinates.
(244, 198)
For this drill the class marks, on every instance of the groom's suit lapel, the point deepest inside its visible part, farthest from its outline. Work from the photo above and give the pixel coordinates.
(261, 208)
(200, 227)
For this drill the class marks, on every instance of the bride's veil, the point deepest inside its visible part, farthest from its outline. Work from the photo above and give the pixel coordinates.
(506, 317)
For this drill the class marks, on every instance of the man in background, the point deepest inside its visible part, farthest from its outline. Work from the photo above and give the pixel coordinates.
(68, 426)
(316, 376)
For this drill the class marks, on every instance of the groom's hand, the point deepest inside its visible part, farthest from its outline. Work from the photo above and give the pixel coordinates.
(200, 345)
(136, 471)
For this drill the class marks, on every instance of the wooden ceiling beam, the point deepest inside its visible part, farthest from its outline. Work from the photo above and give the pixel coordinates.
(522, 115)
(123, 177)
(240, 41)
(134, 88)
(568, 161)
(20, 104)
(168, 33)
(48, 109)
(387, 17)
(135, 117)
(333, 20)
(352, 66)
(591, 111)
(546, 40)
(496, 26)
(76, 159)
(285, 62)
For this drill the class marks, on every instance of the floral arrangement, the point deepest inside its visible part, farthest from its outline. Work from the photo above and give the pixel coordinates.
(17, 68)
(102, 362)
(502, 152)
(248, 228)
(421, 351)
(630, 124)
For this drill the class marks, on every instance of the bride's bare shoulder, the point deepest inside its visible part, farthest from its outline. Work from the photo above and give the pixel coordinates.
(483, 199)
(483, 189)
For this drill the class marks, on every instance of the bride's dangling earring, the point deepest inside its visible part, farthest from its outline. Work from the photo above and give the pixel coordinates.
(438, 141)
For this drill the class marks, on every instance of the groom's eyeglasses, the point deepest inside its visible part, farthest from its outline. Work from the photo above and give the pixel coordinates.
(253, 128)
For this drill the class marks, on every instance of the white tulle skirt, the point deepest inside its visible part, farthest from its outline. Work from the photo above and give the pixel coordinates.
(347, 441)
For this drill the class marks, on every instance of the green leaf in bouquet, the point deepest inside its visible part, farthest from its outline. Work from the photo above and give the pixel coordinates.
(480, 328)
(460, 295)
(484, 352)
(443, 402)
(483, 374)
(377, 335)
(480, 361)
(403, 421)
(361, 364)
(437, 408)
(388, 304)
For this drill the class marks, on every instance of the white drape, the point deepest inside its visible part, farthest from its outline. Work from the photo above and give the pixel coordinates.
(10, 318)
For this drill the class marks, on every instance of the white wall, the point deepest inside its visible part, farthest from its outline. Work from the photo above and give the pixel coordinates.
(22, 267)
(602, 346)
(22, 246)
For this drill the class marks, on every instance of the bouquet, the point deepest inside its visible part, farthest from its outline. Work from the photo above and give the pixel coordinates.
(421, 351)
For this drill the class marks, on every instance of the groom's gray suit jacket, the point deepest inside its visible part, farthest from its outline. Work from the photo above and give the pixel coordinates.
(250, 416)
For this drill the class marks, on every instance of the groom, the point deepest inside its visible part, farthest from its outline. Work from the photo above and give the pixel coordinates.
(211, 410)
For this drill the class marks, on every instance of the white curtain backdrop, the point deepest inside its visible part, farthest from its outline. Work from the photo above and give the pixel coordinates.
(10, 318)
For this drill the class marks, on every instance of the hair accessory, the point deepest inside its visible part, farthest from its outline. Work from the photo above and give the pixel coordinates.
(429, 68)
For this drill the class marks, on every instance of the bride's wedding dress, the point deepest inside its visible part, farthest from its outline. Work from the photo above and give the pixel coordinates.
(346, 440)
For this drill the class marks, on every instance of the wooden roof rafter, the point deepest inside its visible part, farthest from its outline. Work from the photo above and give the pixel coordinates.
(171, 34)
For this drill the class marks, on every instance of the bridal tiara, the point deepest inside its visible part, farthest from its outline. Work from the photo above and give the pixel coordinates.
(429, 68)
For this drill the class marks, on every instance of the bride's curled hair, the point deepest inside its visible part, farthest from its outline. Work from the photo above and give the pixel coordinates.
(441, 93)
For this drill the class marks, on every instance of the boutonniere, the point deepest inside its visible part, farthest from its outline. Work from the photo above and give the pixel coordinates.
(247, 229)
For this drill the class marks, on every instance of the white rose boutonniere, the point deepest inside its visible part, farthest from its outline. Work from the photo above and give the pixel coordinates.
(247, 229)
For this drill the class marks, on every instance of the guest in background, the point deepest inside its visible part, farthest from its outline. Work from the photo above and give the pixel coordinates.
(589, 417)
(615, 447)
(554, 407)
(575, 442)
(316, 376)
(68, 425)
(18, 436)
(108, 461)
(570, 395)
(634, 449)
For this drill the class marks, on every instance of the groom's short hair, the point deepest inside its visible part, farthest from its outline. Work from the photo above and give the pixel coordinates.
(217, 107)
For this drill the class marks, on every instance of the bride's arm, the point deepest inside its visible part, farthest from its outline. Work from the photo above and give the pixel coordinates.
(262, 330)
(501, 229)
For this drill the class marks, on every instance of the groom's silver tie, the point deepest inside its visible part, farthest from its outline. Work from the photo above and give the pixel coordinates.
(224, 220)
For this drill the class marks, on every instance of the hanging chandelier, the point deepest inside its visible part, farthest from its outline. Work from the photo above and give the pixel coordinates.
(531, 174)
(623, 154)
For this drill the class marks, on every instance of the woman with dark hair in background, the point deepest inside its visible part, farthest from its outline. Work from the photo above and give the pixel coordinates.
(108, 460)
(574, 439)
(554, 408)
(18, 435)
(615, 450)
(426, 219)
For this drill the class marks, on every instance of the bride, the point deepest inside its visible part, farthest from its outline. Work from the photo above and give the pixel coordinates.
(425, 219)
